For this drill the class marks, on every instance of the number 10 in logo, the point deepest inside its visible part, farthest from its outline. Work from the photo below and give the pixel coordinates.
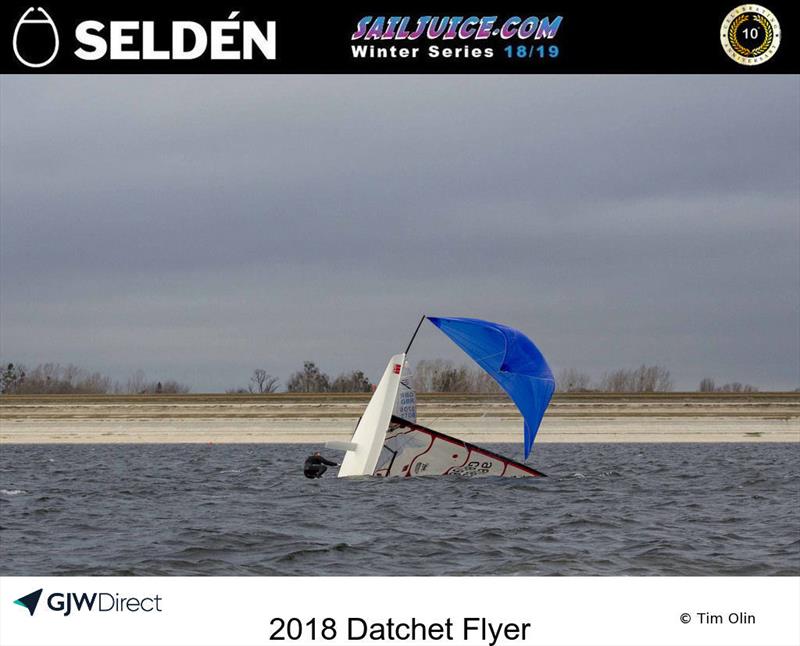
(750, 34)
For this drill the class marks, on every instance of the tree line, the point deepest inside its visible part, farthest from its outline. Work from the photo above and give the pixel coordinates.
(55, 379)
(308, 380)
(644, 379)
(429, 375)
(708, 385)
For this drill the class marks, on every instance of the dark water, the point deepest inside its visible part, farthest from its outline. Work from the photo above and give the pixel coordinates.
(615, 509)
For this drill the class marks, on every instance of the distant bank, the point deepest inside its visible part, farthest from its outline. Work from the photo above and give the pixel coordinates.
(314, 418)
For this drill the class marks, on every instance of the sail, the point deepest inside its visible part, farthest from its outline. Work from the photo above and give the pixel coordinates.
(365, 447)
(406, 405)
(411, 450)
(512, 360)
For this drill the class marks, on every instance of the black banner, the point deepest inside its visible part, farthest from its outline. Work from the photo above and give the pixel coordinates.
(516, 38)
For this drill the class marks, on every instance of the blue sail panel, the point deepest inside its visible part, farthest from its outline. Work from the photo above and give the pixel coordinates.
(512, 360)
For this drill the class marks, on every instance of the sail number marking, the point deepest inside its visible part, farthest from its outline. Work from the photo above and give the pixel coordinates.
(474, 467)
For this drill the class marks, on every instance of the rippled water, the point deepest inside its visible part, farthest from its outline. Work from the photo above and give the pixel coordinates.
(613, 509)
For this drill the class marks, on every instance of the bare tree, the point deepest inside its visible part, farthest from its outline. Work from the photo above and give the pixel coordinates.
(644, 379)
(438, 376)
(351, 382)
(442, 376)
(482, 383)
(737, 387)
(262, 382)
(452, 380)
(707, 385)
(425, 373)
(138, 384)
(172, 387)
(309, 380)
(571, 380)
(618, 381)
(257, 380)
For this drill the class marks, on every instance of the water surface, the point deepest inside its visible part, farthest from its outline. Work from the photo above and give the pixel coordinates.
(606, 509)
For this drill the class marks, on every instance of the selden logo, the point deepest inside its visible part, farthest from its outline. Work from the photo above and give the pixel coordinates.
(36, 40)
(68, 602)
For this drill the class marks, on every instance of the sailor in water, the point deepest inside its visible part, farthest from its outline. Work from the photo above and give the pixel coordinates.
(315, 466)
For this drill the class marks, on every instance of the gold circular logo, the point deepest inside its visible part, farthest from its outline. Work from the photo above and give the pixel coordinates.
(750, 34)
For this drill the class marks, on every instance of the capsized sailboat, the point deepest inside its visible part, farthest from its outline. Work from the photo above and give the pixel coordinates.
(387, 443)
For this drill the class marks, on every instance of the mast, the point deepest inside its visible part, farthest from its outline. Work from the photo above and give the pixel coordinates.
(414, 336)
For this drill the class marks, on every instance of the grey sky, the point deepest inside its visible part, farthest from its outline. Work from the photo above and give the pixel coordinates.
(199, 227)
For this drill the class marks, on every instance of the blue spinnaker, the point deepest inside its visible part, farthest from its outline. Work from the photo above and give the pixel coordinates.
(512, 360)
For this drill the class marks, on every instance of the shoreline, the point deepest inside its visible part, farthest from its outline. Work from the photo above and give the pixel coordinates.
(313, 419)
(316, 431)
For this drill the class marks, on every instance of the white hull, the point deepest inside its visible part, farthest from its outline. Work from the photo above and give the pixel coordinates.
(370, 433)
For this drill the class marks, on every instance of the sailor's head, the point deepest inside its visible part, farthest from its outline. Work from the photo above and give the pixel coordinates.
(316, 453)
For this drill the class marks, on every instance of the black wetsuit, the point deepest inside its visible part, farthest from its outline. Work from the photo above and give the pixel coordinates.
(315, 466)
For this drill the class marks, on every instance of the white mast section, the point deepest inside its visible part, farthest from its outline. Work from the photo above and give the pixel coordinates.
(365, 447)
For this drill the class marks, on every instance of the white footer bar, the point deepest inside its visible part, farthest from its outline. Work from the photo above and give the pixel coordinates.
(479, 611)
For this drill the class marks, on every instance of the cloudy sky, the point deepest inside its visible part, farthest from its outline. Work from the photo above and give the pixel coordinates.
(199, 227)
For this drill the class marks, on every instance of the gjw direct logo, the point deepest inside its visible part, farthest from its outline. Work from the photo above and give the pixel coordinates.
(36, 40)
(68, 602)
(30, 601)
